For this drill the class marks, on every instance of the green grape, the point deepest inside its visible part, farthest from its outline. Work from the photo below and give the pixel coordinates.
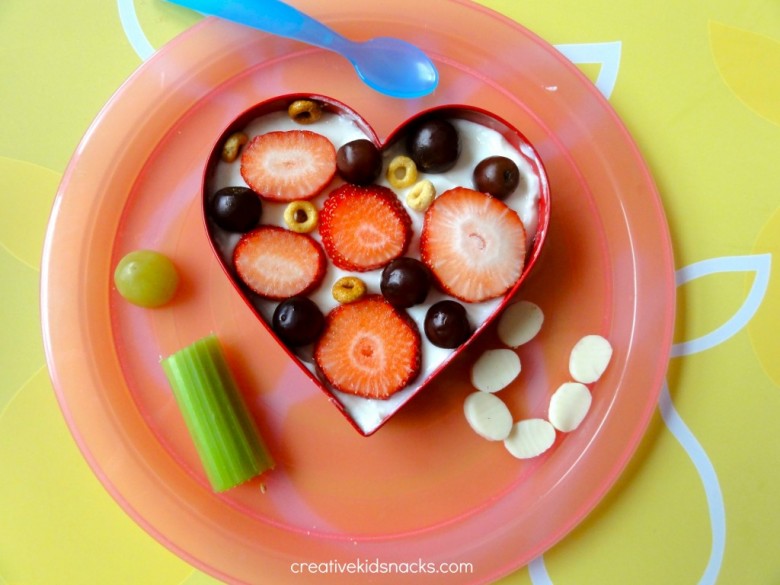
(146, 278)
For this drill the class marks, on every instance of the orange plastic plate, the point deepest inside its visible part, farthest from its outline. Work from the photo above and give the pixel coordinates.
(424, 487)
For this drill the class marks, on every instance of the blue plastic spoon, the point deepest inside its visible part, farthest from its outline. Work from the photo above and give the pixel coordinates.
(390, 66)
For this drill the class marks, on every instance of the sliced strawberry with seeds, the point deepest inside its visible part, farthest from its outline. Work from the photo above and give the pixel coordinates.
(474, 244)
(277, 264)
(288, 165)
(364, 227)
(368, 348)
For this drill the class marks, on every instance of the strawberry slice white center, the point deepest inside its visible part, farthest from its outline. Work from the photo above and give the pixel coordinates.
(285, 166)
(277, 263)
(368, 348)
(474, 244)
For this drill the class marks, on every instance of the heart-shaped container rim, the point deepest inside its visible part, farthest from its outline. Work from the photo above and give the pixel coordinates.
(452, 111)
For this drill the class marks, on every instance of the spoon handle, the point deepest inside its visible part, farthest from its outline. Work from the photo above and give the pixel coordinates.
(270, 16)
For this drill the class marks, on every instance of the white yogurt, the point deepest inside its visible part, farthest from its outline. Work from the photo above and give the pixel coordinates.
(477, 143)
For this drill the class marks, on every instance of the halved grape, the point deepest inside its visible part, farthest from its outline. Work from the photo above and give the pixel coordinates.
(146, 278)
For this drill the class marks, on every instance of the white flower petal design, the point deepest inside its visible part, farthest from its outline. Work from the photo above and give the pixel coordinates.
(709, 480)
(538, 572)
(607, 54)
(133, 30)
(759, 263)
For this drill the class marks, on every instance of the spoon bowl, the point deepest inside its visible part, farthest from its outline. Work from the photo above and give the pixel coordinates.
(393, 67)
(388, 65)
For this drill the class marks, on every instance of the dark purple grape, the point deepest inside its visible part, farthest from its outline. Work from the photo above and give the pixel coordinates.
(497, 176)
(235, 209)
(434, 146)
(297, 321)
(447, 324)
(405, 282)
(359, 162)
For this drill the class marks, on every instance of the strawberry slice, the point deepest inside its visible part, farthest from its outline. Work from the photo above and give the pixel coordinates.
(473, 244)
(364, 227)
(288, 165)
(277, 263)
(368, 348)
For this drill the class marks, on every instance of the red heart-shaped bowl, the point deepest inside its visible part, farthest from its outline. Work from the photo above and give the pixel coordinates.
(481, 133)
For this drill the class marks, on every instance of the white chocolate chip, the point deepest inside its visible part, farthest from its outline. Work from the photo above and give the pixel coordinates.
(495, 369)
(589, 358)
(529, 438)
(569, 405)
(520, 323)
(488, 416)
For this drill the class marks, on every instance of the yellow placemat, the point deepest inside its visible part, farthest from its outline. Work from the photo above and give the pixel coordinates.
(697, 84)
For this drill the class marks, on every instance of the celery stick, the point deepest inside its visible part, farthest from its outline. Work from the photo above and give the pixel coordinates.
(227, 440)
